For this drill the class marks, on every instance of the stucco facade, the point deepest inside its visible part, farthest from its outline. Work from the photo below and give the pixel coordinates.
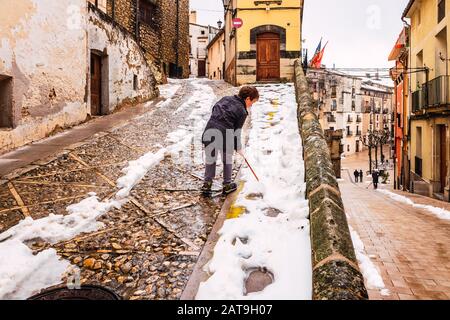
(45, 67)
(280, 21)
(216, 57)
(430, 98)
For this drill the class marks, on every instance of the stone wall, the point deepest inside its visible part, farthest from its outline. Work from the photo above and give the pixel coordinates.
(123, 60)
(159, 40)
(336, 275)
(170, 34)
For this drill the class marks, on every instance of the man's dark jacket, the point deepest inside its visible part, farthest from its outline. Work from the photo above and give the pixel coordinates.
(229, 113)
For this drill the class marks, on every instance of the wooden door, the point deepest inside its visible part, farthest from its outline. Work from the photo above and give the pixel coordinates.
(96, 84)
(268, 57)
(443, 151)
(202, 68)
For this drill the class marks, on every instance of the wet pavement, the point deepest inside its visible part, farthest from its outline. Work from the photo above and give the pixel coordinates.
(149, 247)
(410, 247)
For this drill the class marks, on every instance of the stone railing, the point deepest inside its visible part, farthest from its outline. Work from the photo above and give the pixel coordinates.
(336, 275)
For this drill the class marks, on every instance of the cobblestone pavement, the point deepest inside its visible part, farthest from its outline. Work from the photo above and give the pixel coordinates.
(410, 247)
(149, 247)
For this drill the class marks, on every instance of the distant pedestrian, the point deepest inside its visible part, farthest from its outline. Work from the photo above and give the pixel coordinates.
(361, 176)
(375, 177)
(356, 174)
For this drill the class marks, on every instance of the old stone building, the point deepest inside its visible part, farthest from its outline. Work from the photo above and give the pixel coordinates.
(61, 63)
(161, 27)
(352, 104)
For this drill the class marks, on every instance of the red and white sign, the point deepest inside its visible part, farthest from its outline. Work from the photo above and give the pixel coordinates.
(237, 22)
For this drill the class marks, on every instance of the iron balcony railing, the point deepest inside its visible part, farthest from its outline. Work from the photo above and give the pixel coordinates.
(349, 133)
(358, 119)
(434, 93)
(358, 133)
(350, 119)
(331, 119)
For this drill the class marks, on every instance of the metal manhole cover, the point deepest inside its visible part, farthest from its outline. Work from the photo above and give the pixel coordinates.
(84, 293)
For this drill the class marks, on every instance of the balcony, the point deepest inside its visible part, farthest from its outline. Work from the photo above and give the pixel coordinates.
(331, 119)
(358, 119)
(358, 133)
(350, 119)
(433, 94)
(349, 133)
(385, 110)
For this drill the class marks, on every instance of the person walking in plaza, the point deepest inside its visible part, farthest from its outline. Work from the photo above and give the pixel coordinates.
(361, 176)
(375, 177)
(356, 174)
(223, 135)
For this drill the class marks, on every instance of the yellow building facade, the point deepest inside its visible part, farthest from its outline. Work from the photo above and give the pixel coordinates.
(265, 47)
(429, 97)
(216, 56)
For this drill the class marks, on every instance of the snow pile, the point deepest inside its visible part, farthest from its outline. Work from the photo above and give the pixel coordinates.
(136, 170)
(368, 269)
(441, 213)
(22, 273)
(167, 91)
(279, 244)
(54, 228)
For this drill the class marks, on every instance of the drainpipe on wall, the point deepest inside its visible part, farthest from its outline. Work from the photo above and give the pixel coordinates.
(113, 9)
(405, 115)
(178, 40)
(137, 22)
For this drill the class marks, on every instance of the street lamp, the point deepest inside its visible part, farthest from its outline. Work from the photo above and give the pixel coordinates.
(219, 24)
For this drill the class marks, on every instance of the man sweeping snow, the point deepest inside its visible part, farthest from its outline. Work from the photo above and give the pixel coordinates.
(223, 135)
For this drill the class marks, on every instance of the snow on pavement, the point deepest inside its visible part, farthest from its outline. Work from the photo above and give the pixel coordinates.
(280, 244)
(441, 213)
(371, 274)
(22, 273)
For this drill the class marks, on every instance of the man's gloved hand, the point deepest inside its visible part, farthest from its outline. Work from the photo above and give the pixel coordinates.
(241, 153)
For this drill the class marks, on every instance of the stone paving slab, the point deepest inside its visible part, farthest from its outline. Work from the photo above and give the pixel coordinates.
(409, 246)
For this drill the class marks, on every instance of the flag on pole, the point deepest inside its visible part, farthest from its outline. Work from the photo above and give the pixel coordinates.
(316, 54)
(316, 62)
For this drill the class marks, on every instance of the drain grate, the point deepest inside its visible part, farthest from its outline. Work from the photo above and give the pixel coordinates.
(84, 293)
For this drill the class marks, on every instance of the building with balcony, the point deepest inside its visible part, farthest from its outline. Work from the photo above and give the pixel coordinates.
(430, 101)
(339, 104)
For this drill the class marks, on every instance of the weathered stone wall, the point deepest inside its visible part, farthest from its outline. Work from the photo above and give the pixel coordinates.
(43, 50)
(160, 39)
(336, 274)
(170, 33)
(124, 60)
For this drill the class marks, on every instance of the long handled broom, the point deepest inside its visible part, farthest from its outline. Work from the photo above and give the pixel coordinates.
(253, 171)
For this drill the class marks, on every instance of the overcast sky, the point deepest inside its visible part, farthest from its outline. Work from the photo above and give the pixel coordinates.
(361, 33)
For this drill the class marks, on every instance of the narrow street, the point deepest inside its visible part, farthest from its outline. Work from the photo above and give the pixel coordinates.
(146, 247)
(408, 245)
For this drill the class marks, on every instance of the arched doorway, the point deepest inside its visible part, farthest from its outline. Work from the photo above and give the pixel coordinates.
(268, 57)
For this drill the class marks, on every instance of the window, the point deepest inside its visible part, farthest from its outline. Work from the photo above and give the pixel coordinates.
(441, 10)
(147, 12)
(135, 82)
(203, 32)
(6, 102)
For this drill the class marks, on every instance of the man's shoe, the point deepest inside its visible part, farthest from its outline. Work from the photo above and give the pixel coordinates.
(206, 189)
(229, 188)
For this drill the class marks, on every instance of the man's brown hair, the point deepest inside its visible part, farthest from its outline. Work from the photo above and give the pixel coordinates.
(248, 92)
